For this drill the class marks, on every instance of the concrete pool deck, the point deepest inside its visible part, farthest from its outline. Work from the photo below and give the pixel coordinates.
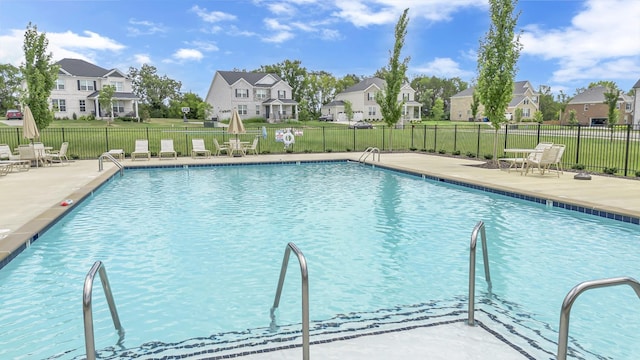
(31, 201)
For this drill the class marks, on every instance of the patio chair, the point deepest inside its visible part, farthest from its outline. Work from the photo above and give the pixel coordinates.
(41, 153)
(166, 148)
(6, 154)
(558, 162)
(60, 155)
(28, 153)
(142, 149)
(198, 148)
(547, 158)
(253, 147)
(516, 162)
(219, 148)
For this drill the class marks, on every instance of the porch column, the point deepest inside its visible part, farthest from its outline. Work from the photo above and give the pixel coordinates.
(135, 107)
(97, 107)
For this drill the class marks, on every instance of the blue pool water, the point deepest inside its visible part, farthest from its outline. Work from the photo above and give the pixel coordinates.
(192, 253)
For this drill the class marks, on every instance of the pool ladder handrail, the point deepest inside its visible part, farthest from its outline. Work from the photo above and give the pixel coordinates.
(479, 228)
(370, 151)
(113, 160)
(572, 295)
(305, 295)
(89, 338)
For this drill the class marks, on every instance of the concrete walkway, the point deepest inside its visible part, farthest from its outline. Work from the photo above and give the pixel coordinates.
(31, 201)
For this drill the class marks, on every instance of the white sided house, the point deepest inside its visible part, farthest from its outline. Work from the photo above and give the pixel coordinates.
(252, 94)
(363, 102)
(78, 86)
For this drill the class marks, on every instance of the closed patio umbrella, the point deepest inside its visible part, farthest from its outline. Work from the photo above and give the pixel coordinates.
(29, 127)
(236, 127)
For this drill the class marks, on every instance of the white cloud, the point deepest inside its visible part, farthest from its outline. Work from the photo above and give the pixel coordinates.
(142, 59)
(204, 45)
(599, 43)
(363, 13)
(188, 55)
(11, 48)
(281, 32)
(144, 27)
(281, 9)
(212, 16)
(443, 67)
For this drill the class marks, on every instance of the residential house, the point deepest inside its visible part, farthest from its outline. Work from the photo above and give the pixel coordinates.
(591, 109)
(78, 85)
(252, 94)
(524, 97)
(363, 102)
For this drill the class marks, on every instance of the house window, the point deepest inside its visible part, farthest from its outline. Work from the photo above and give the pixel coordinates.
(118, 107)
(83, 106)
(261, 94)
(618, 106)
(86, 85)
(117, 85)
(372, 111)
(59, 104)
(406, 97)
(242, 93)
(242, 109)
(526, 112)
(627, 106)
(282, 94)
(525, 101)
(257, 109)
(371, 96)
(535, 99)
(59, 84)
(586, 107)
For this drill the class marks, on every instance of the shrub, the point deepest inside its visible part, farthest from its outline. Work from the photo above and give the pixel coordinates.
(442, 151)
(289, 151)
(610, 170)
(307, 150)
(638, 173)
(431, 150)
(413, 148)
(75, 156)
(488, 156)
(265, 152)
(578, 167)
(471, 154)
(455, 152)
(74, 116)
(348, 150)
(328, 150)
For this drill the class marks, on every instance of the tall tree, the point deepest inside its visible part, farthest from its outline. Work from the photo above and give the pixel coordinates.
(105, 98)
(10, 81)
(153, 90)
(497, 58)
(40, 74)
(198, 108)
(437, 111)
(611, 97)
(547, 104)
(347, 81)
(475, 103)
(562, 100)
(348, 110)
(390, 108)
(428, 89)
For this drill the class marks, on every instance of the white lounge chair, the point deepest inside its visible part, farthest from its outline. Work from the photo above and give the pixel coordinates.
(27, 153)
(219, 148)
(516, 162)
(166, 148)
(142, 149)
(198, 148)
(548, 157)
(6, 154)
(60, 155)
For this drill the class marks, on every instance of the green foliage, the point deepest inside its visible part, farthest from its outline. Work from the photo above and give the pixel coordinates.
(40, 75)
(348, 109)
(10, 80)
(455, 152)
(578, 167)
(538, 117)
(611, 99)
(471, 154)
(488, 156)
(292, 72)
(573, 121)
(638, 173)
(497, 57)
(475, 103)
(442, 151)
(388, 99)
(610, 170)
(437, 112)
(198, 108)
(518, 115)
(105, 99)
(154, 90)
(430, 88)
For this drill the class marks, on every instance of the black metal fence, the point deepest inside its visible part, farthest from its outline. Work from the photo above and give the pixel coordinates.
(614, 150)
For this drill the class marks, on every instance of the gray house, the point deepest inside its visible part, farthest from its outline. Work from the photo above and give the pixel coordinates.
(252, 94)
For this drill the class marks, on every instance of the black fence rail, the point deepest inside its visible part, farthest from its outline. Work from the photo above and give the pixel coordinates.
(614, 150)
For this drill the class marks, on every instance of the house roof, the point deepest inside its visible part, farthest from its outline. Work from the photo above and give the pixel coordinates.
(335, 103)
(231, 77)
(365, 84)
(82, 68)
(590, 96)
(637, 85)
(116, 95)
(519, 88)
(284, 101)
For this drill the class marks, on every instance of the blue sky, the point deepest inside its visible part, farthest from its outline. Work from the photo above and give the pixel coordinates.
(567, 43)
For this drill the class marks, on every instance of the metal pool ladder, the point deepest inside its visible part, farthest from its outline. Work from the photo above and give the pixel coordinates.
(370, 151)
(113, 160)
(563, 333)
(479, 228)
(305, 295)
(89, 338)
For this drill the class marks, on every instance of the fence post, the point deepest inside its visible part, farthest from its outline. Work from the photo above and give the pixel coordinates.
(578, 146)
(383, 129)
(324, 141)
(506, 134)
(424, 136)
(455, 137)
(106, 138)
(354, 138)
(412, 128)
(435, 137)
(626, 151)
(478, 147)
(538, 140)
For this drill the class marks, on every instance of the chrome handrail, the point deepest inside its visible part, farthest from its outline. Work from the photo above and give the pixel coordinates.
(370, 151)
(305, 295)
(563, 332)
(89, 338)
(113, 160)
(479, 228)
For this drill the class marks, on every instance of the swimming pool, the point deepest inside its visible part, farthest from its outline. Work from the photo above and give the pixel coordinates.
(195, 253)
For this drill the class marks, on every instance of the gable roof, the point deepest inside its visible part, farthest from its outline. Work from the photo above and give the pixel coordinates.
(365, 84)
(79, 67)
(637, 85)
(590, 96)
(519, 88)
(253, 78)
